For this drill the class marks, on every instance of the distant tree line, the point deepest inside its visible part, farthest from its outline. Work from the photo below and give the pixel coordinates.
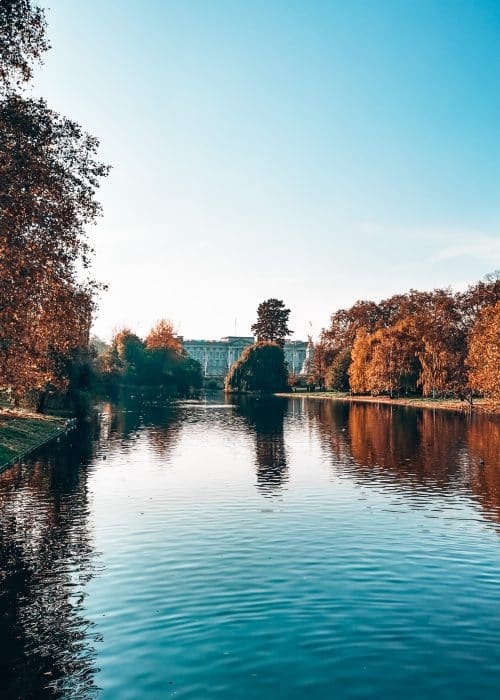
(436, 343)
(159, 360)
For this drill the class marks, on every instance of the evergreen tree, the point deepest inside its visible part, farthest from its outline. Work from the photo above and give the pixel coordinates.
(272, 322)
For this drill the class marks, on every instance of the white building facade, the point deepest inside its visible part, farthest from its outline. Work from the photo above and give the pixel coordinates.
(217, 356)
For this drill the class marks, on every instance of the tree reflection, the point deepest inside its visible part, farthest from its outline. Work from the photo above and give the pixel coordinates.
(483, 440)
(332, 418)
(265, 415)
(405, 442)
(140, 414)
(164, 427)
(423, 450)
(46, 558)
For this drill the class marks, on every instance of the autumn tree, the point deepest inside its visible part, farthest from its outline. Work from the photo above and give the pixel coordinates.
(483, 358)
(163, 337)
(477, 297)
(392, 358)
(272, 322)
(130, 351)
(336, 341)
(168, 362)
(440, 343)
(411, 341)
(360, 360)
(320, 364)
(49, 174)
(345, 324)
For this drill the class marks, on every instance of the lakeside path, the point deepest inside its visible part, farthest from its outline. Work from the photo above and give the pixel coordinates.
(21, 433)
(479, 405)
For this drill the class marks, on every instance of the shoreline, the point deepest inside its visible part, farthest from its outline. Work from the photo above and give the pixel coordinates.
(482, 406)
(21, 433)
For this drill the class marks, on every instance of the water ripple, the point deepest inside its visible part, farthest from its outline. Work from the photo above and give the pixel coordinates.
(259, 548)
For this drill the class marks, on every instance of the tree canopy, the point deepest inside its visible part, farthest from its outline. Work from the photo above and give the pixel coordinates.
(437, 343)
(50, 174)
(22, 41)
(272, 322)
(163, 337)
(261, 368)
(155, 362)
(484, 352)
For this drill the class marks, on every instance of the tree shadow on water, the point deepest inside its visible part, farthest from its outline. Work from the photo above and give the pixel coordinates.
(416, 452)
(134, 416)
(264, 417)
(47, 558)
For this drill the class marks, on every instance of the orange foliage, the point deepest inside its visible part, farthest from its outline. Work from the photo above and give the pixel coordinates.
(381, 360)
(163, 337)
(49, 177)
(484, 352)
(392, 358)
(440, 344)
(411, 341)
(360, 360)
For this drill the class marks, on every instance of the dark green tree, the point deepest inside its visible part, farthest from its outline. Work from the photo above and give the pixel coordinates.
(128, 361)
(261, 368)
(272, 322)
(337, 376)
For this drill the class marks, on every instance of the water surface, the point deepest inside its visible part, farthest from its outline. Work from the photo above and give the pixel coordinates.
(260, 548)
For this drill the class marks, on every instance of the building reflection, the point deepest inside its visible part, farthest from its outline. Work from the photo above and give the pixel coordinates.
(420, 450)
(265, 417)
(46, 559)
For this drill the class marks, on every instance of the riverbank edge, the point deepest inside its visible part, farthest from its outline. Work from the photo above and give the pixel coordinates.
(480, 406)
(23, 433)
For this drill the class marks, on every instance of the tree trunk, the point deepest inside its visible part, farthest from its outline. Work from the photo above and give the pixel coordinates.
(40, 404)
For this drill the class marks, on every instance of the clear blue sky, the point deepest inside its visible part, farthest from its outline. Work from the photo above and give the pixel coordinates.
(319, 152)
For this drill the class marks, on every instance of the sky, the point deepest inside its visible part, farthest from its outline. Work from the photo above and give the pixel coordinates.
(318, 152)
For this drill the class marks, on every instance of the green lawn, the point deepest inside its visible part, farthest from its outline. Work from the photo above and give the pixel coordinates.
(19, 434)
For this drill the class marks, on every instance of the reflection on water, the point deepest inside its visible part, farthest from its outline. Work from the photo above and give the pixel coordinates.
(264, 417)
(135, 418)
(407, 448)
(142, 557)
(46, 559)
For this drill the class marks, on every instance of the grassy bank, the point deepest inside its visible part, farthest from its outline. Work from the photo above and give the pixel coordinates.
(479, 405)
(21, 433)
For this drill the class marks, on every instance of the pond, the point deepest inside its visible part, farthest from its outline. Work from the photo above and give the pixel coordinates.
(258, 548)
